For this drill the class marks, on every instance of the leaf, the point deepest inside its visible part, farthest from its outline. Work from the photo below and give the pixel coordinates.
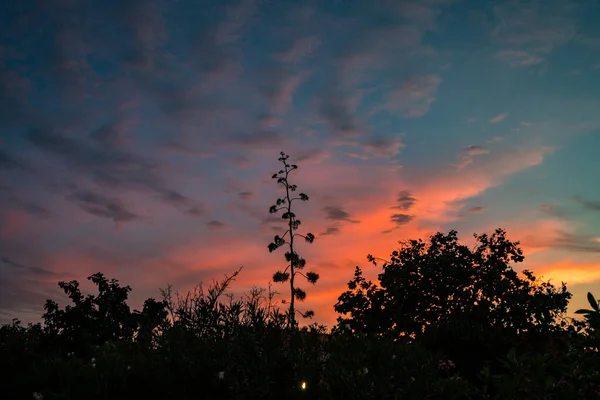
(583, 312)
(593, 302)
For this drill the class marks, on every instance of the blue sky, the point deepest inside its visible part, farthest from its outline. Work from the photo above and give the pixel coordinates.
(138, 138)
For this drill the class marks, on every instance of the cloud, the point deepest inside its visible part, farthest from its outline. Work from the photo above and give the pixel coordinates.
(518, 58)
(441, 196)
(113, 135)
(269, 121)
(475, 150)
(7, 161)
(557, 235)
(33, 270)
(398, 220)
(332, 230)
(590, 205)
(316, 155)
(300, 50)
(181, 202)
(424, 13)
(463, 162)
(555, 211)
(112, 168)
(282, 90)
(259, 139)
(237, 17)
(214, 224)
(149, 33)
(529, 31)
(246, 195)
(498, 118)
(31, 208)
(476, 210)
(414, 96)
(383, 146)
(339, 114)
(405, 201)
(102, 206)
(401, 219)
(337, 214)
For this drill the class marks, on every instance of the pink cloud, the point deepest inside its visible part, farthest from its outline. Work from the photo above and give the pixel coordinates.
(498, 118)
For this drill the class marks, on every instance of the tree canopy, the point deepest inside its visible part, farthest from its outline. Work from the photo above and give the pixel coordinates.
(425, 285)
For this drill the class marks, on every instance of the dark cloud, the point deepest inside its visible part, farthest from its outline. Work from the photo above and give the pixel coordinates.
(34, 270)
(28, 206)
(476, 210)
(214, 224)
(102, 206)
(246, 195)
(475, 150)
(260, 138)
(405, 201)
(113, 169)
(339, 117)
(181, 202)
(401, 219)
(332, 230)
(591, 205)
(7, 161)
(337, 214)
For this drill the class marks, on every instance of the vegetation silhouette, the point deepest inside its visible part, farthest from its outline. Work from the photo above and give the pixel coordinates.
(459, 300)
(296, 263)
(444, 321)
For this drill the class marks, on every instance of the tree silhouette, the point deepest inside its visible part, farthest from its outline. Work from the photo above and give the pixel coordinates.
(296, 263)
(94, 320)
(425, 285)
(468, 304)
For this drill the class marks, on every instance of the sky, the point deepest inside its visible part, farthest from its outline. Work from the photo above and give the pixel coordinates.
(138, 139)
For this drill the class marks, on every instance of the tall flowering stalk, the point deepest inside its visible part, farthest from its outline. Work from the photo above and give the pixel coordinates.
(295, 262)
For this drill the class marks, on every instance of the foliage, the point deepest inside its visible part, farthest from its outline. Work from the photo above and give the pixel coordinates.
(454, 298)
(296, 263)
(208, 343)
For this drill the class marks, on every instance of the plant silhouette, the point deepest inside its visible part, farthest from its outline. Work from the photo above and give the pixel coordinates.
(444, 322)
(296, 263)
(455, 299)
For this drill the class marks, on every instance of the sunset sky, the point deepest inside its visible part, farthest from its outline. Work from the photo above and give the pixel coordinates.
(139, 138)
